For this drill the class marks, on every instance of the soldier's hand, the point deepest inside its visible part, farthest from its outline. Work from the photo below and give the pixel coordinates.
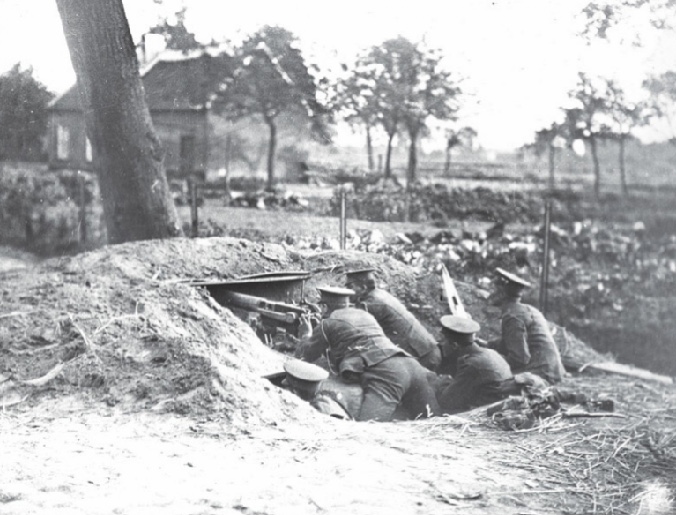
(305, 327)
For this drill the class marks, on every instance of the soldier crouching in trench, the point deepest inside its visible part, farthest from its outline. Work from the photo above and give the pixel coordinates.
(526, 342)
(482, 377)
(361, 353)
(399, 324)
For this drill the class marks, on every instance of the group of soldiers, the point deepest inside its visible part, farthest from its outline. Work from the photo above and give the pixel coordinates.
(368, 338)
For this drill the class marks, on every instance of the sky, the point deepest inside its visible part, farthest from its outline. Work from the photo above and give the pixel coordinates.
(517, 59)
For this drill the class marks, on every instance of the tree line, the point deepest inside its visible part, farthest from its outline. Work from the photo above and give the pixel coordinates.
(397, 87)
(600, 108)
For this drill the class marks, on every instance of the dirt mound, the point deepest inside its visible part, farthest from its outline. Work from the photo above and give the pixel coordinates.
(127, 331)
(123, 326)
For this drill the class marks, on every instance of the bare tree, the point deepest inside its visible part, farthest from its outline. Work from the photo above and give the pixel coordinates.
(128, 156)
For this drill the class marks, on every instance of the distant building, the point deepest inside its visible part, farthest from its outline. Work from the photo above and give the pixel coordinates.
(195, 140)
(179, 102)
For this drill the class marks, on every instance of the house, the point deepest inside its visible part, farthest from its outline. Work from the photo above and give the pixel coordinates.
(178, 93)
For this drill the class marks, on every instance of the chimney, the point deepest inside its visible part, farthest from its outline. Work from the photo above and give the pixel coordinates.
(151, 46)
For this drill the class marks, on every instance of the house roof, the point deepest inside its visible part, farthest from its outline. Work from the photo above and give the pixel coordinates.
(173, 81)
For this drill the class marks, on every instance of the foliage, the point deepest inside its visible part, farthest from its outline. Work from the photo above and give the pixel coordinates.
(272, 77)
(407, 86)
(662, 89)
(602, 16)
(23, 114)
(593, 98)
(355, 96)
(177, 35)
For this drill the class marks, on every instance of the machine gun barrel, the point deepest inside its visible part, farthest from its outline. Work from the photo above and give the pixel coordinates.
(280, 311)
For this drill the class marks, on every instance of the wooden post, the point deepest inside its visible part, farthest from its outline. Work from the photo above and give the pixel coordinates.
(82, 202)
(192, 185)
(343, 218)
(544, 276)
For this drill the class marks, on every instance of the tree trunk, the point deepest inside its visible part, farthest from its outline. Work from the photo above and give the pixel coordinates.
(272, 148)
(410, 174)
(447, 164)
(388, 156)
(369, 147)
(623, 171)
(128, 155)
(551, 152)
(411, 171)
(597, 170)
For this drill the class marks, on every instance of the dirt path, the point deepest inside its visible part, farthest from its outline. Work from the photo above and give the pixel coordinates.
(65, 459)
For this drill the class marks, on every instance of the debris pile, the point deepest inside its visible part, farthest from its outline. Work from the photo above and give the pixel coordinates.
(277, 199)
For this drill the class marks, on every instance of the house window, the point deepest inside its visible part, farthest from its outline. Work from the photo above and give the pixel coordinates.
(62, 142)
(88, 150)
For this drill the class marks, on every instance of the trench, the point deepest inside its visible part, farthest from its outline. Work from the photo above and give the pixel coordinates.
(652, 347)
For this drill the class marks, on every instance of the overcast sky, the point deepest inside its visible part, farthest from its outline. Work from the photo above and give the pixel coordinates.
(518, 58)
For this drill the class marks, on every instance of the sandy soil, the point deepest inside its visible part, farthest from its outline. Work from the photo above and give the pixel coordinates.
(161, 408)
(65, 458)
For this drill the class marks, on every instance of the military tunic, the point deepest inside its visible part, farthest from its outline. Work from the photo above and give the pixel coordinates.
(528, 343)
(359, 350)
(402, 327)
(479, 380)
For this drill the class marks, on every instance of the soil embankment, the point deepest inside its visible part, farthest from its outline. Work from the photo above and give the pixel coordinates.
(128, 391)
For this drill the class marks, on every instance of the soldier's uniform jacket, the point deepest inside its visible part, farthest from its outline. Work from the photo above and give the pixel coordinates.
(528, 343)
(479, 380)
(354, 341)
(400, 326)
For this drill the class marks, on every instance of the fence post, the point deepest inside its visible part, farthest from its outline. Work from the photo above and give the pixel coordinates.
(82, 202)
(544, 276)
(343, 218)
(192, 186)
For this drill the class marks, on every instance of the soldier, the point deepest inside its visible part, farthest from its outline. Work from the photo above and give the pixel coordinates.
(313, 384)
(399, 324)
(360, 352)
(526, 342)
(483, 376)
(304, 379)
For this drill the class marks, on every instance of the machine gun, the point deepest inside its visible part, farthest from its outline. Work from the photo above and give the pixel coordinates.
(271, 303)
(273, 321)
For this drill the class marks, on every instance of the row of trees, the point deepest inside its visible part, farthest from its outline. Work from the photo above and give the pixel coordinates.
(602, 111)
(397, 87)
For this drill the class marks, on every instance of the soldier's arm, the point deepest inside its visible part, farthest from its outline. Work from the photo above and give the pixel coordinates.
(515, 341)
(314, 346)
(458, 395)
